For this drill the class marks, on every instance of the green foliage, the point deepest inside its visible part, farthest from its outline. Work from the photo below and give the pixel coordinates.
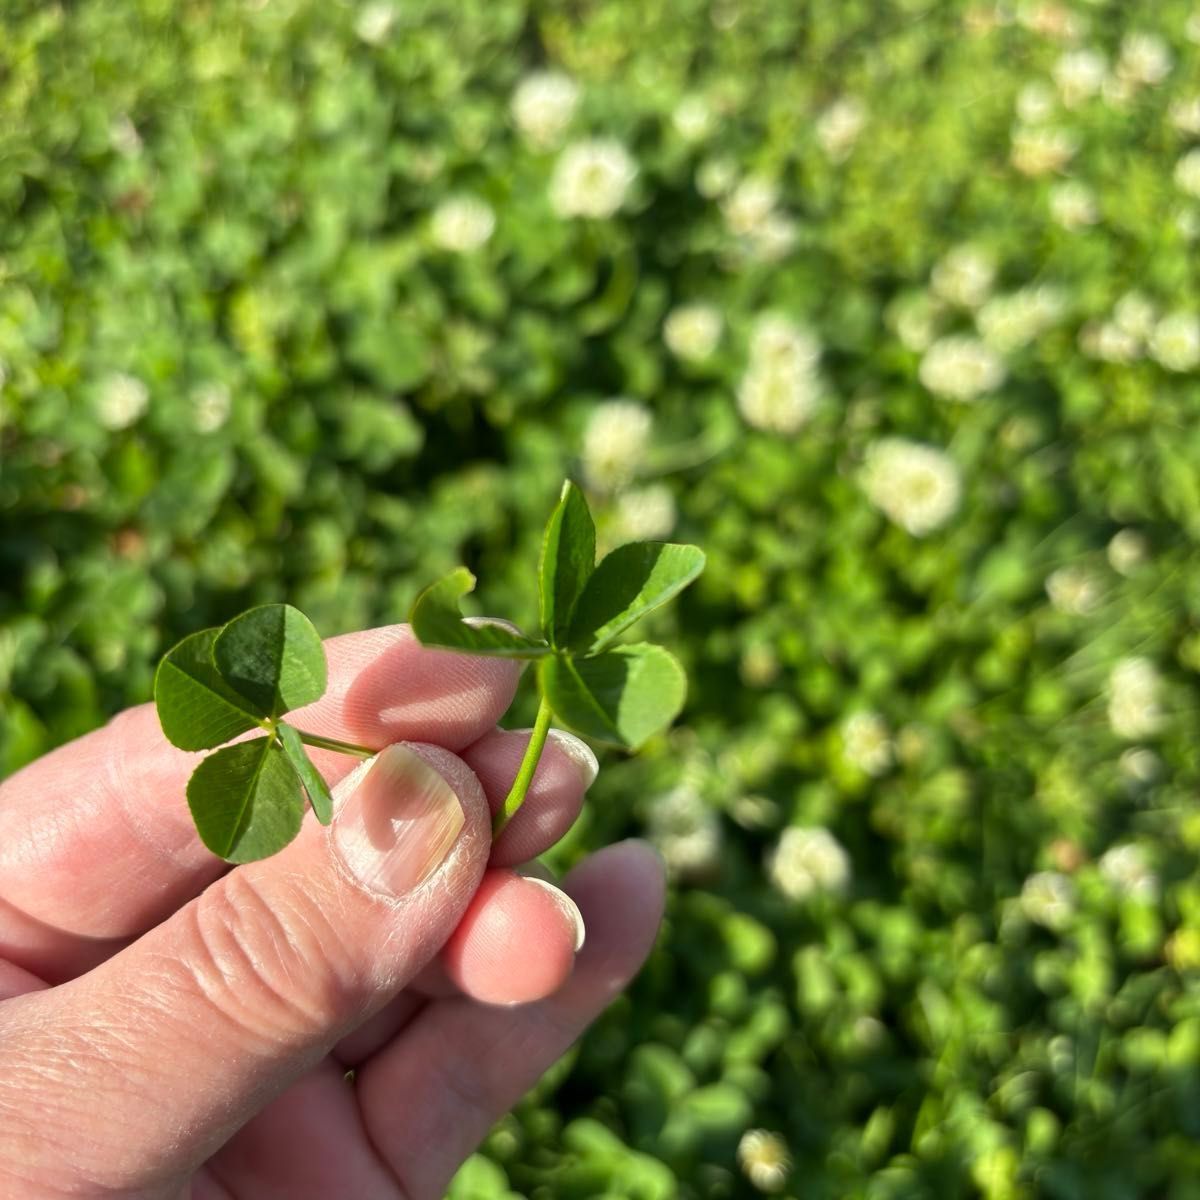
(247, 800)
(232, 205)
(624, 696)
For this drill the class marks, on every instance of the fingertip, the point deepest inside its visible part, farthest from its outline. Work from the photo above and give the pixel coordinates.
(517, 941)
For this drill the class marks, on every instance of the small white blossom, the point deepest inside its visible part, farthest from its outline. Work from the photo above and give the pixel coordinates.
(961, 368)
(1048, 899)
(461, 224)
(716, 177)
(592, 179)
(1073, 590)
(774, 239)
(121, 400)
(914, 316)
(1144, 59)
(374, 22)
(867, 742)
(1139, 765)
(1007, 323)
(686, 831)
(123, 135)
(693, 119)
(916, 486)
(1135, 315)
(1187, 173)
(765, 1159)
(1073, 205)
(1107, 341)
(1134, 706)
(614, 443)
(1079, 75)
(692, 331)
(1126, 869)
(1035, 103)
(1127, 550)
(645, 514)
(747, 208)
(808, 860)
(839, 126)
(1039, 150)
(1185, 115)
(964, 276)
(1191, 28)
(1175, 342)
(777, 341)
(542, 107)
(777, 399)
(211, 406)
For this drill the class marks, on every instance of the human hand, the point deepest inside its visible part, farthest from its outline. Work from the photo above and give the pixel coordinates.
(172, 1027)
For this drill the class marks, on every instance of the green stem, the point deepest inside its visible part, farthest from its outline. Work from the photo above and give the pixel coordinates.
(516, 794)
(325, 743)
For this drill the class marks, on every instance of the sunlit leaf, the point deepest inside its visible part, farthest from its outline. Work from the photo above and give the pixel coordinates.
(437, 621)
(273, 656)
(568, 560)
(196, 707)
(312, 779)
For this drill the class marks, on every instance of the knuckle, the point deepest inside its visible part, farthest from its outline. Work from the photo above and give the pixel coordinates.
(271, 966)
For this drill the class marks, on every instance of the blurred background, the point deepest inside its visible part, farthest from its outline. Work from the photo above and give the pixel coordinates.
(891, 306)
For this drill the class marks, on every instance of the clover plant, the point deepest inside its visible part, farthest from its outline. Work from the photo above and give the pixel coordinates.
(247, 799)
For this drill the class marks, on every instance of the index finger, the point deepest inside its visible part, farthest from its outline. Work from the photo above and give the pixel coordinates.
(96, 843)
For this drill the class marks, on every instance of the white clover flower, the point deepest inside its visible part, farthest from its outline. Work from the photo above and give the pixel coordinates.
(121, 400)
(1139, 765)
(542, 107)
(693, 119)
(461, 224)
(1134, 707)
(1127, 550)
(1175, 342)
(808, 860)
(1073, 205)
(211, 406)
(1184, 114)
(646, 514)
(1038, 150)
(839, 126)
(1048, 899)
(1135, 315)
(961, 368)
(916, 486)
(716, 177)
(1144, 59)
(964, 276)
(914, 316)
(777, 399)
(1107, 341)
(764, 1159)
(1007, 323)
(778, 341)
(592, 179)
(1073, 590)
(123, 135)
(867, 742)
(774, 239)
(1126, 869)
(614, 443)
(374, 22)
(747, 208)
(1187, 173)
(692, 331)
(1080, 75)
(686, 831)
(1035, 103)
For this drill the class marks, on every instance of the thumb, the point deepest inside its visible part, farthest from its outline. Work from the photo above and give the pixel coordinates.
(150, 1062)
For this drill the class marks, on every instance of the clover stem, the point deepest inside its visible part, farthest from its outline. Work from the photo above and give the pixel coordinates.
(325, 743)
(533, 752)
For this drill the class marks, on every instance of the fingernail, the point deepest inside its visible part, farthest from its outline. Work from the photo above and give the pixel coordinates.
(398, 824)
(579, 752)
(569, 907)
